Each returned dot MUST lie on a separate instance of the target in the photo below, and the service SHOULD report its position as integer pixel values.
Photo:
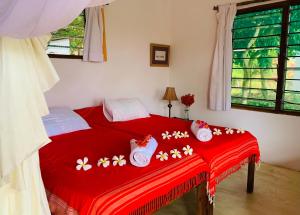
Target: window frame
(281, 70)
(61, 56)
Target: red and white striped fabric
(115, 189)
(232, 153)
(224, 154)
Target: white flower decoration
(166, 135)
(240, 131)
(119, 160)
(177, 134)
(103, 162)
(162, 156)
(83, 164)
(217, 132)
(229, 130)
(185, 134)
(175, 153)
(187, 150)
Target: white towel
(201, 131)
(141, 156)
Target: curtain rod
(246, 3)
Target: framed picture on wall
(159, 55)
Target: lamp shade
(170, 94)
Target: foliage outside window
(68, 41)
(266, 59)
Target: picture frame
(159, 55)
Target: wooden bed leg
(251, 172)
(210, 209)
(203, 205)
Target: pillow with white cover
(118, 110)
(63, 120)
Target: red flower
(144, 142)
(188, 100)
(202, 124)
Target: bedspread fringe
(211, 190)
(173, 194)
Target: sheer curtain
(26, 73)
(220, 80)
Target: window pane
(291, 107)
(295, 15)
(255, 21)
(68, 40)
(292, 97)
(294, 27)
(253, 103)
(256, 46)
(293, 50)
(269, 61)
(254, 93)
(264, 31)
(269, 41)
(254, 73)
(250, 83)
(265, 13)
(244, 53)
(294, 38)
(292, 83)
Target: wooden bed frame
(203, 205)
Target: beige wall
(131, 26)
(193, 34)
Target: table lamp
(170, 95)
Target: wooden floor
(276, 192)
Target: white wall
(193, 38)
(131, 26)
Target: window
(68, 42)
(266, 58)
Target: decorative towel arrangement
(201, 131)
(142, 151)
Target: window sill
(65, 56)
(265, 110)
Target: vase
(186, 113)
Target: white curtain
(220, 80)
(30, 199)
(31, 18)
(93, 38)
(25, 74)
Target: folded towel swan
(201, 130)
(142, 151)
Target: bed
(224, 154)
(114, 189)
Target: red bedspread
(224, 154)
(112, 190)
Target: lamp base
(169, 106)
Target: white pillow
(118, 110)
(63, 120)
